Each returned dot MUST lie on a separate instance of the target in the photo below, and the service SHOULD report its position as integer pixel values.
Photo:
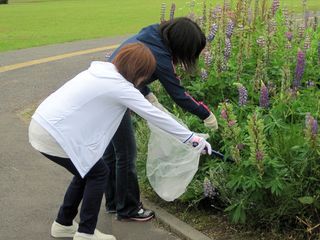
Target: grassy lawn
(28, 23)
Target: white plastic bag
(171, 164)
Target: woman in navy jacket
(179, 41)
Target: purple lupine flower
(314, 127)
(163, 12)
(208, 189)
(227, 48)
(217, 11)
(275, 6)
(213, 32)
(310, 84)
(299, 69)
(319, 51)
(243, 95)
(264, 96)
(172, 9)
(308, 118)
(208, 59)
(261, 42)
(289, 36)
(230, 28)
(204, 74)
(312, 124)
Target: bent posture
(73, 126)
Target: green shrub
(260, 74)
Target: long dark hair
(185, 40)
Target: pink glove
(201, 144)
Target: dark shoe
(142, 216)
(111, 211)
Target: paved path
(31, 187)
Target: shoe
(142, 216)
(96, 236)
(62, 231)
(111, 210)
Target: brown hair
(135, 61)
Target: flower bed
(260, 73)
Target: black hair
(185, 40)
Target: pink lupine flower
(231, 123)
(224, 114)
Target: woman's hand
(211, 122)
(201, 144)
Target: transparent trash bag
(171, 164)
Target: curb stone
(176, 226)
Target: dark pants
(89, 189)
(122, 191)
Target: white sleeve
(134, 100)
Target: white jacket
(83, 115)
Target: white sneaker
(96, 236)
(61, 231)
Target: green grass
(29, 23)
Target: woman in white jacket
(73, 126)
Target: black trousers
(122, 192)
(89, 189)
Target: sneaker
(96, 236)
(142, 216)
(62, 231)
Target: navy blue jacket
(165, 71)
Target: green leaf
(307, 200)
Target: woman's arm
(133, 99)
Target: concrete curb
(173, 224)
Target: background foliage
(30, 23)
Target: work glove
(211, 122)
(154, 101)
(200, 144)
